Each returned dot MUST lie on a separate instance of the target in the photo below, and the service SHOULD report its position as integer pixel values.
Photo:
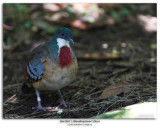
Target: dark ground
(133, 66)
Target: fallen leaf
(51, 7)
(56, 17)
(99, 56)
(148, 22)
(7, 47)
(7, 27)
(12, 99)
(115, 89)
(79, 24)
(63, 5)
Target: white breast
(62, 42)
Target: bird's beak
(70, 40)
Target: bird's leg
(62, 102)
(39, 101)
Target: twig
(7, 27)
(131, 92)
(11, 86)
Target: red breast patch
(65, 56)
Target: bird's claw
(38, 109)
(64, 104)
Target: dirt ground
(134, 66)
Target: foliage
(153, 46)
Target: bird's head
(63, 36)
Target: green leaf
(70, 10)
(27, 24)
(133, 7)
(90, 19)
(34, 28)
(69, 6)
(51, 31)
(122, 113)
(115, 15)
(125, 12)
(14, 15)
(153, 46)
(20, 27)
(21, 7)
(9, 41)
(101, 10)
(43, 26)
(152, 100)
(9, 5)
(93, 8)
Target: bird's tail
(27, 88)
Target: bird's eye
(62, 34)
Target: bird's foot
(63, 103)
(39, 109)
